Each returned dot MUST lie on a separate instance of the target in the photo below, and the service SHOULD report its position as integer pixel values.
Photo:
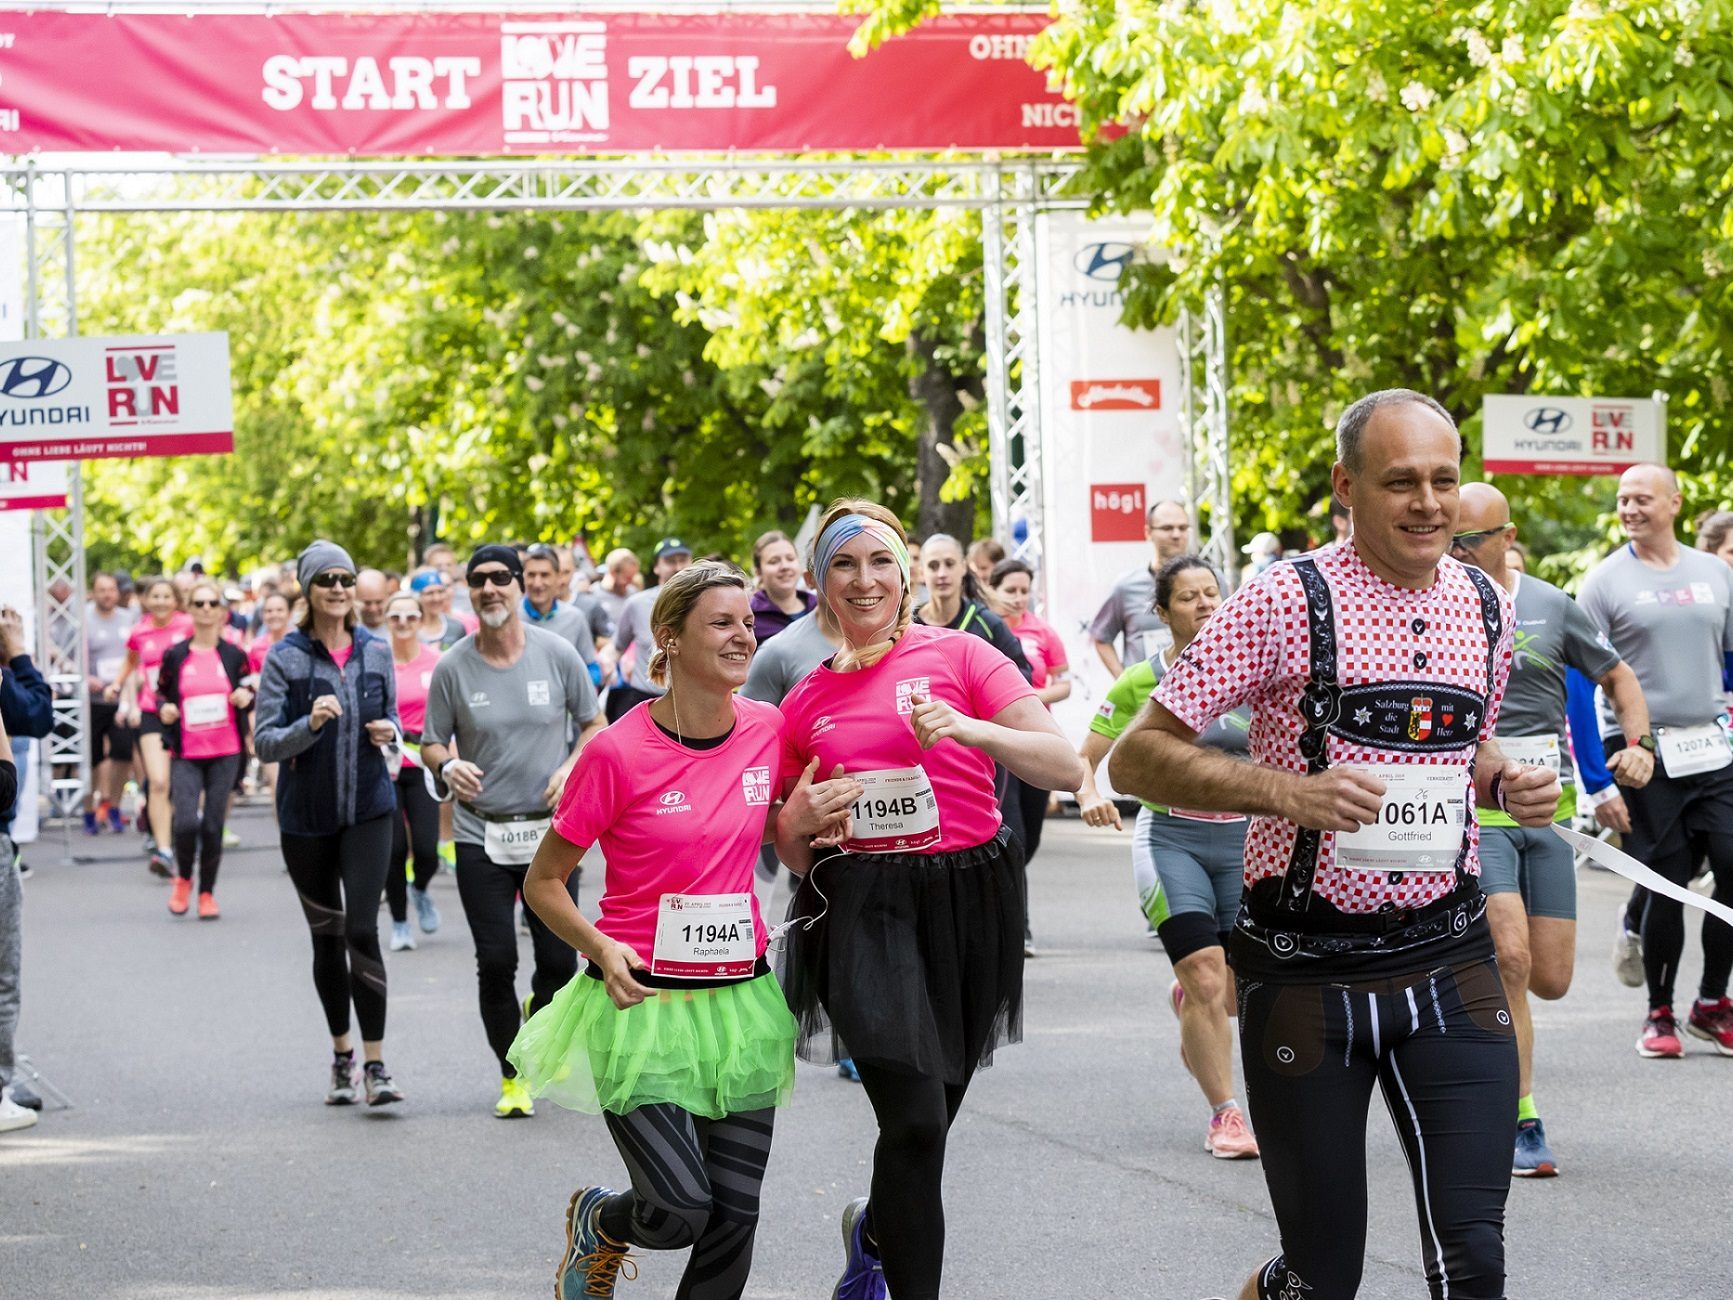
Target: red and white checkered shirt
(1255, 651)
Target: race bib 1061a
(1422, 816)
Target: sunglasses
(499, 578)
(206, 604)
(344, 580)
(1468, 541)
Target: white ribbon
(1605, 855)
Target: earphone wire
(778, 933)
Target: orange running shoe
(179, 896)
(208, 907)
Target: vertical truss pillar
(1204, 415)
(1013, 395)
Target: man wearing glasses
(1528, 873)
(543, 608)
(509, 695)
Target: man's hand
(464, 778)
(324, 709)
(1531, 794)
(1632, 766)
(1339, 799)
(1614, 816)
(557, 785)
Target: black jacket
(168, 683)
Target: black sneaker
(381, 1091)
(343, 1082)
(24, 1095)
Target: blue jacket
(334, 777)
(26, 703)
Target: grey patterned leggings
(695, 1183)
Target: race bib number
(513, 843)
(896, 813)
(201, 711)
(151, 675)
(1421, 820)
(704, 936)
(1686, 751)
(1532, 751)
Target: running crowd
(1349, 770)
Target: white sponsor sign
(32, 484)
(1110, 435)
(1572, 435)
(142, 395)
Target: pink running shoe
(1660, 1036)
(1229, 1137)
(1714, 1021)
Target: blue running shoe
(90, 826)
(863, 1277)
(845, 1070)
(426, 914)
(593, 1262)
(1534, 1158)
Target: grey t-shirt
(105, 639)
(1552, 634)
(509, 722)
(1129, 611)
(569, 625)
(634, 629)
(785, 659)
(590, 606)
(1673, 626)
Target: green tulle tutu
(712, 1052)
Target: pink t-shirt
(413, 679)
(471, 623)
(1041, 647)
(150, 643)
(257, 651)
(861, 720)
(208, 725)
(340, 657)
(672, 820)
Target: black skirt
(914, 961)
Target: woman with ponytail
(906, 951)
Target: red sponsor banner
(467, 84)
(1116, 394)
(1575, 467)
(1116, 512)
(41, 486)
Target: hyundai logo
(33, 377)
(1547, 419)
(672, 797)
(1104, 261)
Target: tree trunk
(935, 388)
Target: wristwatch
(1644, 741)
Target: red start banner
(436, 84)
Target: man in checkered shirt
(1374, 669)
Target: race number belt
(202, 711)
(704, 937)
(1421, 817)
(1533, 751)
(511, 839)
(897, 812)
(1687, 751)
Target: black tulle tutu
(916, 962)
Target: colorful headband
(845, 530)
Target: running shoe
(1660, 1036)
(113, 817)
(1229, 1136)
(381, 1091)
(208, 910)
(400, 936)
(863, 1277)
(1534, 1158)
(90, 824)
(593, 1261)
(514, 1100)
(162, 862)
(344, 1082)
(180, 895)
(230, 839)
(448, 853)
(1713, 1021)
(24, 1095)
(1628, 956)
(426, 914)
(845, 1069)
(13, 1116)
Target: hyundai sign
(87, 398)
(1572, 435)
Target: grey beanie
(318, 557)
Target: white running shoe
(1628, 956)
(401, 936)
(14, 1116)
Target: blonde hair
(866, 656)
(207, 584)
(677, 598)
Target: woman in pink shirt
(203, 699)
(415, 832)
(676, 1032)
(163, 624)
(912, 946)
(274, 615)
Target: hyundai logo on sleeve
(1104, 261)
(33, 377)
(1549, 420)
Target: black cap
(494, 553)
(672, 546)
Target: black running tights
(414, 834)
(695, 1183)
(906, 1213)
(199, 832)
(339, 878)
(1441, 1048)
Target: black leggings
(695, 1183)
(906, 1213)
(489, 894)
(200, 833)
(419, 812)
(1441, 1047)
(339, 877)
(1024, 809)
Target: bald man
(372, 590)
(1528, 874)
(1668, 611)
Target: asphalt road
(199, 1162)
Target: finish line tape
(1605, 855)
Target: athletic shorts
(151, 725)
(108, 738)
(1672, 816)
(1190, 874)
(1533, 862)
